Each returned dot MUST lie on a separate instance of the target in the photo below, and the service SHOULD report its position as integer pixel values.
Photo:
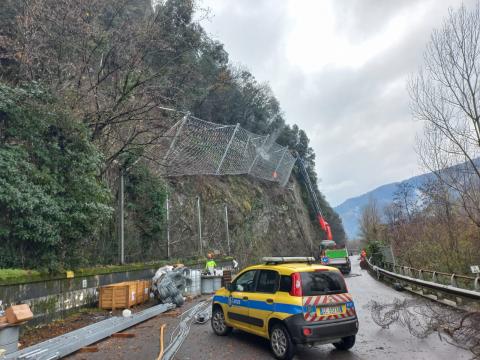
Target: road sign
(325, 260)
(475, 269)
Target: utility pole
(122, 217)
(121, 206)
(168, 227)
(199, 227)
(226, 229)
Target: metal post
(256, 156)
(122, 217)
(226, 229)
(199, 226)
(246, 146)
(228, 147)
(288, 172)
(278, 165)
(179, 130)
(168, 227)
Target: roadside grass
(9, 274)
(21, 276)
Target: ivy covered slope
(51, 199)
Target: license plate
(330, 310)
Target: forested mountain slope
(82, 87)
(350, 210)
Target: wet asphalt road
(373, 342)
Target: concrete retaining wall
(53, 299)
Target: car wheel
(346, 343)
(281, 343)
(219, 325)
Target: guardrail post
(420, 274)
(435, 280)
(476, 285)
(454, 283)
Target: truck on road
(330, 255)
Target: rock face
(264, 219)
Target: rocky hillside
(263, 218)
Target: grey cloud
(363, 18)
(358, 120)
(255, 27)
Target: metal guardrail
(456, 280)
(452, 288)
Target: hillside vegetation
(437, 225)
(81, 86)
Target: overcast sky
(339, 69)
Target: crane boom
(313, 197)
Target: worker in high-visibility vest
(210, 265)
(363, 254)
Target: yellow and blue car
(290, 301)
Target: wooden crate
(118, 296)
(227, 277)
(124, 295)
(143, 291)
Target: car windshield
(322, 283)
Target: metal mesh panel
(195, 146)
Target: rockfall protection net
(197, 147)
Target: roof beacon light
(292, 259)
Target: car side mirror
(231, 287)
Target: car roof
(289, 268)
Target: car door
(239, 298)
(262, 301)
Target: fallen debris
(10, 326)
(422, 318)
(68, 343)
(180, 333)
(173, 313)
(123, 335)
(160, 354)
(17, 314)
(168, 284)
(88, 349)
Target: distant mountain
(350, 210)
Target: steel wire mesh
(198, 147)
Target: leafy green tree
(51, 200)
(146, 196)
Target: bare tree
(445, 95)
(113, 63)
(371, 227)
(423, 318)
